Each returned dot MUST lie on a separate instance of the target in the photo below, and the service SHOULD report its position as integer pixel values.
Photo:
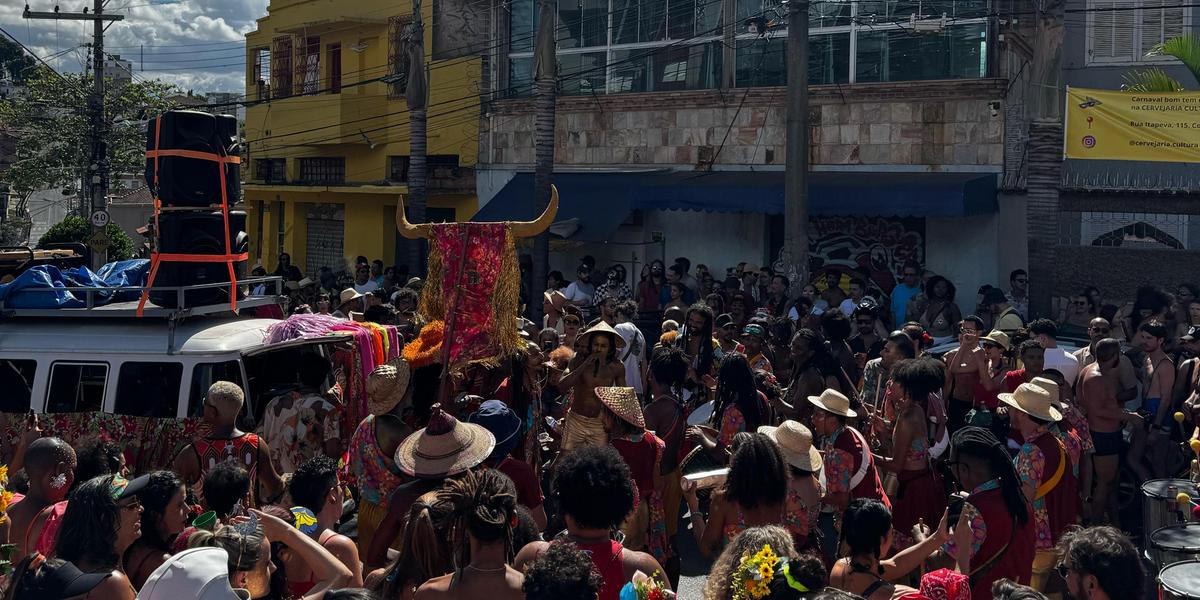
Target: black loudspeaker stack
(191, 209)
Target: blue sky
(194, 44)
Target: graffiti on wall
(874, 248)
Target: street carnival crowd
(816, 446)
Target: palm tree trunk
(417, 96)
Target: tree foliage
(19, 65)
(51, 124)
(1185, 49)
(75, 228)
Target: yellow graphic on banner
(1116, 125)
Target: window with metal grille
(281, 66)
(270, 170)
(260, 72)
(398, 169)
(323, 170)
(1124, 31)
(1130, 230)
(308, 65)
(398, 55)
(334, 57)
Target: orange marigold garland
(427, 348)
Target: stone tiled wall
(921, 123)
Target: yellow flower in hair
(3, 473)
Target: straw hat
(1050, 386)
(292, 285)
(1034, 401)
(795, 441)
(601, 327)
(555, 300)
(386, 386)
(999, 338)
(833, 401)
(306, 282)
(349, 294)
(445, 447)
(623, 401)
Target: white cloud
(194, 44)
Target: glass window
(148, 389)
(16, 379)
(206, 374)
(833, 13)
(652, 20)
(896, 55)
(581, 73)
(76, 387)
(624, 21)
(520, 77)
(763, 61)
(582, 23)
(520, 23)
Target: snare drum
(1174, 543)
(1179, 581)
(1157, 501)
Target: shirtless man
(1099, 384)
(596, 367)
(965, 367)
(699, 348)
(1160, 377)
(50, 464)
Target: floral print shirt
(732, 423)
(1075, 419)
(375, 474)
(839, 466)
(1031, 463)
(296, 426)
(978, 525)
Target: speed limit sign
(100, 218)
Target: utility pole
(793, 259)
(97, 172)
(417, 95)
(546, 77)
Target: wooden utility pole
(793, 259)
(417, 95)
(97, 172)
(546, 77)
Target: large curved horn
(406, 229)
(542, 223)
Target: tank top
(1013, 547)
(640, 456)
(606, 557)
(243, 450)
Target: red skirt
(920, 495)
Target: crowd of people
(833, 444)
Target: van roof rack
(92, 309)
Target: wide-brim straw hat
(386, 386)
(999, 338)
(347, 295)
(445, 447)
(1034, 401)
(1050, 386)
(834, 402)
(556, 299)
(624, 403)
(601, 327)
(795, 442)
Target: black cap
(64, 581)
(994, 296)
(1193, 334)
(722, 320)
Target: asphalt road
(694, 567)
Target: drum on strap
(1158, 504)
(1179, 581)
(1174, 543)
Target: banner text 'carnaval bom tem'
(1119, 125)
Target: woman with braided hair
(483, 514)
(1001, 520)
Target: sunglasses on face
(866, 322)
(1079, 302)
(1098, 329)
(910, 274)
(132, 506)
(989, 346)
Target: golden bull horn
(519, 228)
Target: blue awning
(602, 201)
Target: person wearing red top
(643, 452)
(1033, 358)
(505, 425)
(595, 493)
(1001, 521)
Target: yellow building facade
(327, 133)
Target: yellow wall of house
(370, 224)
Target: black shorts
(1107, 444)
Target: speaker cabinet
(198, 232)
(193, 182)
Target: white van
(160, 365)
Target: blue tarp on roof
(601, 201)
(25, 290)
